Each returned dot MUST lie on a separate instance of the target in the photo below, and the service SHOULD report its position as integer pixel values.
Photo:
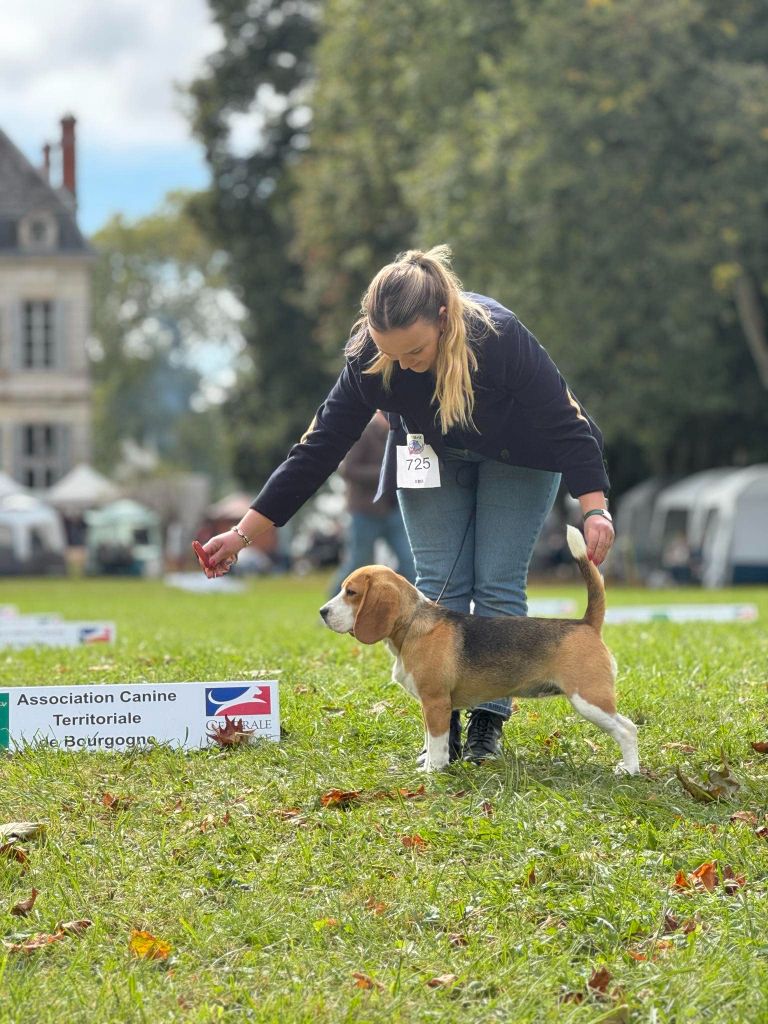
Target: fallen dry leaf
(731, 881)
(13, 852)
(23, 907)
(762, 832)
(74, 927)
(22, 830)
(600, 980)
(685, 748)
(443, 981)
(761, 746)
(748, 817)
(414, 842)
(457, 939)
(706, 874)
(42, 940)
(722, 784)
(231, 734)
(706, 877)
(487, 808)
(375, 906)
(290, 814)
(116, 803)
(35, 943)
(339, 797)
(655, 948)
(697, 792)
(145, 946)
(365, 981)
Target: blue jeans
(510, 505)
(364, 531)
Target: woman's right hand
(221, 552)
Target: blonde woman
(482, 427)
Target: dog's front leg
(437, 719)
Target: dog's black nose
(324, 611)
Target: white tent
(9, 486)
(673, 507)
(632, 552)
(31, 535)
(729, 525)
(81, 489)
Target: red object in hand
(199, 550)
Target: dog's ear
(378, 610)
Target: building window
(37, 343)
(38, 231)
(42, 455)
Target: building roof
(23, 189)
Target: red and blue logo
(95, 635)
(237, 700)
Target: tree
(161, 309)
(262, 69)
(597, 166)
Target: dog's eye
(350, 592)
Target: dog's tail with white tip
(595, 612)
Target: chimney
(47, 161)
(68, 154)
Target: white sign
(683, 613)
(129, 716)
(20, 632)
(551, 606)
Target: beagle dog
(450, 660)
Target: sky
(116, 65)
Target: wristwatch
(602, 512)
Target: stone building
(45, 264)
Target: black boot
(483, 736)
(454, 741)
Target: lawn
(493, 894)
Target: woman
(482, 426)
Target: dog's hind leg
(437, 718)
(620, 728)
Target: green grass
(537, 869)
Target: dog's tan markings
(377, 611)
(585, 667)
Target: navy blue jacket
(524, 412)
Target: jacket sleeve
(337, 424)
(555, 414)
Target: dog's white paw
(623, 769)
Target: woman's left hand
(599, 535)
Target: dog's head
(368, 605)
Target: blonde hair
(416, 286)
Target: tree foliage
(160, 306)
(262, 70)
(597, 166)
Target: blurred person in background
(482, 426)
(371, 520)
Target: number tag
(417, 464)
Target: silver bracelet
(243, 536)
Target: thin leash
(458, 556)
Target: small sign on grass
(127, 716)
(41, 631)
